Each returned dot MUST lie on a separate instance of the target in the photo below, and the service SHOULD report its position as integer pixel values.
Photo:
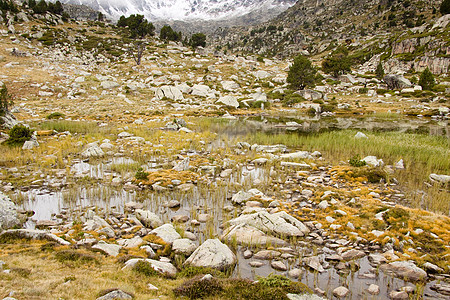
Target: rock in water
(148, 218)
(212, 254)
(406, 270)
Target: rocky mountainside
(185, 9)
(406, 34)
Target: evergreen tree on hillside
(301, 74)
(426, 80)
(338, 63)
(198, 40)
(445, 7)
(168, 34)
(379, 71)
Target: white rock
(148, 218)
(360, 135)
(228, 101)
(373, 161)
(341, 292)
(164, 268)
(213, 254)
(110, 249)
(170, 92)
(183, 246)
(167, 233)
(373, 289)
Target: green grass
(72, 127)
(422, 155)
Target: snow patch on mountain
(182, 9)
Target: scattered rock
(213, 254)
(341, 292)
(164, 268)
(167, 233)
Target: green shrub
(396, 217)
(74, 256)
(145, 268)
(55, 115)
(363, 90)
(5, 100)
(379, 71)
(356, 161)
(196, 288)
(338, 63)
(141, 174)
(445, 7)
(191, 271)
(18, 135)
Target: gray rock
(256, 264)
(406, 270)
(443, 288)
(353, 254)
(169, 92)
(297, 155)
(9, 216)
(440, 178)
(432, 268)
(167, 233)
(164, 268)
(360, 135)
(180, 218)
(92, 150)
(228, 101)
(34, 235)
(280, 223)
(230, 86)
(341, 292)
(314, 263)
(396, 82)
(148, 218)
(173, 203)
(295, 273)
(201, 90)
(110, 249)
(247, 254)
(267, 254)
(28, 145)
(304, 297)
(183, 246)
(241, 197)
(373, 161)
(109, 84)
(115, 295)
(214, 254)
(278, 265)
(394, 295)
(373, 289)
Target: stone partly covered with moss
(9, 217)
(212, 254)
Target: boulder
(167, 233)
(373, 289)
(230, 85)
(92, 150)
(297, 155)
(241, 197)
(353, 254)
(33, 234)
(9, 217)
(373, 161)
(228, 101)
(148, 218)
(164, 268)
(115, 295)
(440, 178)
(396, 82)
(212, 254)
(406, 270)
(169, 92)
(314, 263)
(245, 234)
(280, 224)
(109, 84)
(110, 249)
(201, 90)
(341, 292)
(183, 246)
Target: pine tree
(426, 80)
(379, 71)
(445, 7)
(301, 74)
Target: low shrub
(196, 288)
(18, 135)
(356, 161)
(55, 115)
(74, 256)
(145, 268)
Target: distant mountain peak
(184, 10)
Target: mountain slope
(183, 9)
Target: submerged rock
(213, 254)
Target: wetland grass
(422, 155)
